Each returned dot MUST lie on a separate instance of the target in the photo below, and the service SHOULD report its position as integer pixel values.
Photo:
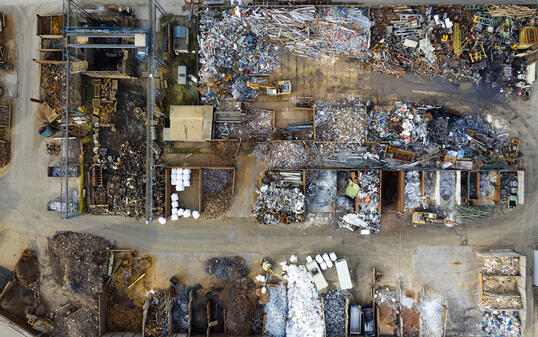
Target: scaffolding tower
(144, 45)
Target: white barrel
(186, 171)
(180, 212)
(186, 177)
(174, 217)
(175, 197)
(162, 220)
(180, 188)
(187, 213)
(186, 183)
(174, 211)
(175, 204)
(195, 214)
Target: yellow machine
(40, 324)
(528, 37)
(281, 88)
(422, 218)
(513, 151)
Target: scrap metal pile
(256, 123)
(228, 47)
(217, 196)
(478, 44)
(283, 155)
(156, 312)
(412, 191)
(305, 313)
(334, 307)
(83, 261)
(279, 202)
(367, 218)
(473, 43)
(501, 323)
(341, 121)
(315, 32)
(276, 311)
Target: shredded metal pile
(342, 121)
(320, 190)
(276, 311)
(431, 317)
(282, 155)
(227, 267)
(82, 260)
(279, 203)
(405, 122)
(305, 315)
(412, 191)
(215, 180)
(334, 307)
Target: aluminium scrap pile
(278, 202)
(315, 32)
(412, 191)
(228, 46)
(276, 311)
(342, 121)
(282, 154)
(305, 313)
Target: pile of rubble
(305, 313)
(82, 259)
(277, 202)
(341, 121)
(334, 307)
(276, 311)
(217, 197)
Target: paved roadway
(25, 191)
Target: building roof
(189, 123)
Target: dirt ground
(25, 191)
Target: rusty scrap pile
(156, 310)
(217, 197)
(51, 83)
(82, 259)
(216, 205)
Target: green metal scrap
(471, 213)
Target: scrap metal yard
(258, 168)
